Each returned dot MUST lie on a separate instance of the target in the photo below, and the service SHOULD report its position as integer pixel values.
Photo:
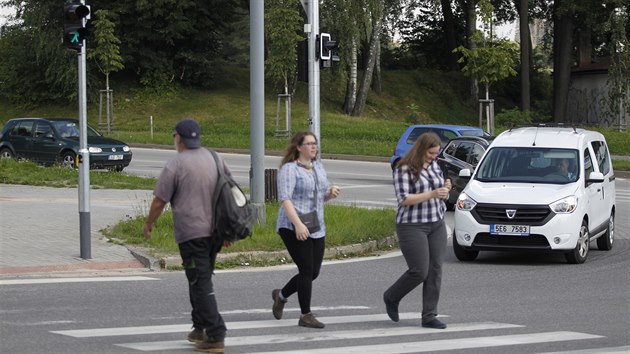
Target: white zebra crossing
(321, 336)
(407, 338)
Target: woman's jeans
(198, 260)
(423, 246)
(308, 256)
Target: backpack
(233, 214)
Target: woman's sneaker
(310, 321)
(278, 304)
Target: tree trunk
(562, 46)
(449, 32)
(351, 88)
(522, 6)
(369, 69)
(376, 80)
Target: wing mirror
(595, 177)
(464, 173)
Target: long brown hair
(414, 158)
(292, 152)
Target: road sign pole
(84, 165)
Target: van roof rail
(543, 125)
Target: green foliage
(414, 114)
(512, 117)
(619, 72)
(282, 24)
(106, 52)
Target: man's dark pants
(198, 257)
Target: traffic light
(74, 31)
(326, 46)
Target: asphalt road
(503, 302)
(500, 304)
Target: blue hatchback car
(446, 132)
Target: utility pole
(257, 105)
(312, 29)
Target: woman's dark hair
(292, 152)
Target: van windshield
(529, 165)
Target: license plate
(115, 157)
(515, 230)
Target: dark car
(460, 153)
(446, 132)
(56, 140)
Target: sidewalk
(39, 229)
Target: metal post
(84, 166)
(313, 70)
(257, 106)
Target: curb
(166, 262)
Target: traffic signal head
(326, 46)
(74, 31)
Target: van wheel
(605, 241)
(580, 252)
(463, 254)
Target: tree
(525, 43)
(282, 23)
(491, 60)
(106, 53)
(619, 72)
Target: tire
(605, 241)
(68, 159)
(6, 153)
(580, 252)
(463, 254)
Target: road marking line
(611, 350)
(449, 344)
(128, 331)
(321, 336)
(72, 280)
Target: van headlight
(565, 205)
(464, 202)
(94, 149)
(126, 148)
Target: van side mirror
(595, 177)
(464, 173)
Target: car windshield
(68, 129)
(529, 165)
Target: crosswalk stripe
(127, 331)
(611, 350)
(321, 336)
(72, 280)
(448, 344)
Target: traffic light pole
(312, 28)
(84, 165)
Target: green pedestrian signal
(74, 31)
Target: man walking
(188, 182)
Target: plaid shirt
(297, 185)
(428, 211)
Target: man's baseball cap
(190, 132)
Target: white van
(538, 188)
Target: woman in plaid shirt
(420, 190)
